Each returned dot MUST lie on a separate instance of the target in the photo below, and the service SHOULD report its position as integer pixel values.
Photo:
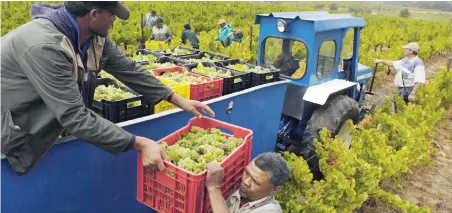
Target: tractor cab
(318, 53)
(314, 48)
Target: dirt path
(429, 186)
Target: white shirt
(417, 77)
(264, 205)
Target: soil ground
(429, 186)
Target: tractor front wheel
(332, 116)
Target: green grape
(183, 77)
(195, 149)
(211, 72)
(204, 59)
(111, 93)
(245, 68)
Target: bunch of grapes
(104, 74)
(178, 51)
(204, 59)
(199, 147)
(111, 93)
(159, 65)
(246, 68)
(143, 58)
(211, 72)
(183, 77)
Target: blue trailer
(75, 176)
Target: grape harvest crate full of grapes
(294, 85)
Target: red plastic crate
(185, 192)
(200, 92)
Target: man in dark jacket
(48, 77)
(191, 36)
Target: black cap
(115, 7)
(153, 12)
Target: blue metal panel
(301, 31)
(78, 177)
(323, 21)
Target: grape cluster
(104, 74)
(183, 77)
(211, 72)
(178, 51)
(159, 65)
(246, 68)
(204, 59)
(111, 93)
(199, 147)
(143, 58)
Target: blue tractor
(318, 53)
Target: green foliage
(384, 146)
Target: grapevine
(200, 146)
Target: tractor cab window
(327, 59)
(287, 55)
(347, 51)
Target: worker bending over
(410, 72)
(262, 178)
(49, 78)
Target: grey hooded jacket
(42, 78)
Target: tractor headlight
(281, 25)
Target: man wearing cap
(410, 71)
(225, 29)
(49, 68)
(151, 18)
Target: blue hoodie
(224, 31)
(65, 23)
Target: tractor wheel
(332, 116)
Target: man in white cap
(410, 71)
(225, 29)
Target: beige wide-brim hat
(222, 21)
(412, 46)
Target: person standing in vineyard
(262, 178)
(410, 72)
(191, 36)
(49, 78)
(225, 29)
(150, 18)
(160, 32)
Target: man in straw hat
(410, 71)
(225, 29)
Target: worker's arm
(169, 35)
(184, 38)
(49, 68)
(215, 174)
(386, 62)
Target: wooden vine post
(251, 38)
(449, 63)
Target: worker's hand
(195, 107)
(215, 175)
(151, 153)
(411, 97)
(377, 61)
